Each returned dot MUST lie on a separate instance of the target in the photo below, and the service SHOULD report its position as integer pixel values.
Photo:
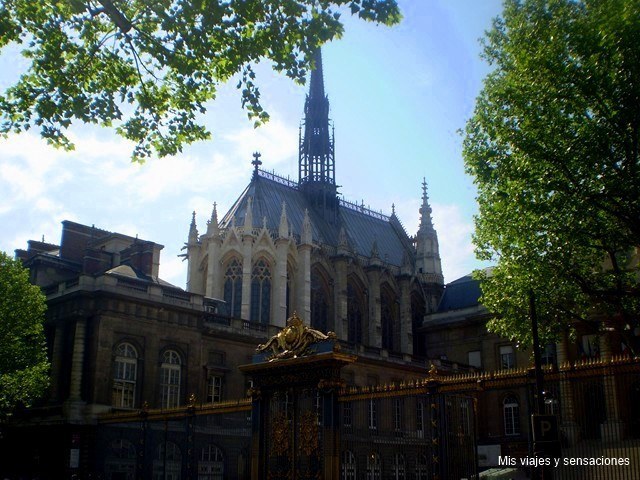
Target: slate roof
(461, 293)
(361, 225)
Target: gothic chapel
(285, 246)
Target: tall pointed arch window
(320, 300)
(397, 467)
(170, 377)
(348, 468)
(355, 311)
(233, 287)
(261, 292)
(125, 371)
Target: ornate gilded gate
(295, 412)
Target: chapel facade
(288, 246)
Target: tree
(148, 68)
(553, 148)
(24, 369)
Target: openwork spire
(316, 165)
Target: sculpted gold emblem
(294, 340)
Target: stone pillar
(73, 408)
(77, 361)
(280, 283)
(406, 324)
(304, 282)
(247, 251)
(374, 329)
(214, 269)
(340, 299)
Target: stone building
(120, 338)
(289, 246)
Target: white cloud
(276, 142)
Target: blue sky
(398, 98)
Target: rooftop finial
(193, 230)
(256, 163)
(212, 226)
(425, 209)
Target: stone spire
(427, 249)
(425, 210)
(283, 229)
(316, 162)
(212, 224)
(193, 229)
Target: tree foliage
(24, 368)
(149, 67)
(553, 148)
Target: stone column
(73, 408)
(340, 299)
(247, 251)
(304, 282)
(214, 272)
(77, 361)
(280, 283)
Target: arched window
(125, 370)
(233, 287)
(356, 309)
(168, 462)
(320, 301)
(421, 468)
(373, 466)
(397, 467)
(261, 292)
(511, 409)
(170, 371)
(348, 468)
(211, 464)
(389, 319)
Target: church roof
(362, 226)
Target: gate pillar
(295, 413)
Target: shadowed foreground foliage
(24, 369)
(148, 68)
